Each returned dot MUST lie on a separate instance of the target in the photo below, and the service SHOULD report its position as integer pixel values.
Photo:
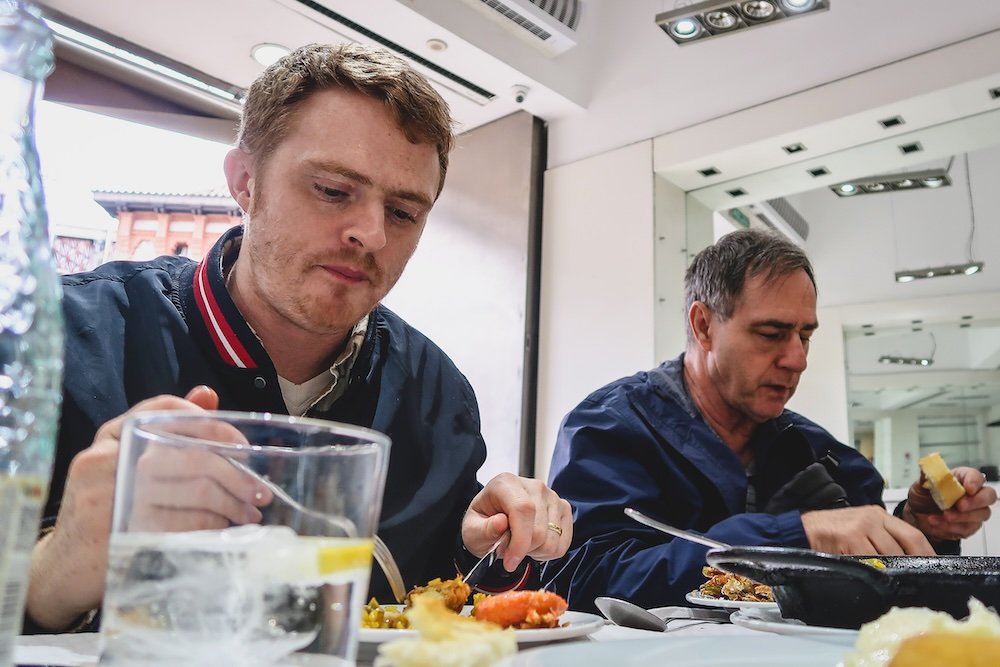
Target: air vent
(915, 147)
(891, 122)
(790, 216)
(548, 24)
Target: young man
(342, 152)
(704, 442)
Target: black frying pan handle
(770, 564)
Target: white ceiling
(625, 80)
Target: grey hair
(718, 273)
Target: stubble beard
(293, 303)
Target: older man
(704, 442)
(342, 152)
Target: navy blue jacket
(136, 330)
(640, 442)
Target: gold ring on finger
(555, 528)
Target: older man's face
(336, 212)
(758, 354)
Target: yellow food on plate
(874, 562)
(728, 586)
(388, 617)
(454, 592)
(944, 488)
(516, 609)
(879, 640)
(948, 649)
(446, 639)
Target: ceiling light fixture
(907, 361)
(911, 361)
(938, 271)
(911, 180)
(968, 268)
(267, 53)
(710, 18)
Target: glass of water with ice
(240, 539)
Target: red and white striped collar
(220, 314)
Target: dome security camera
(520, 93)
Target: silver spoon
(676, 532)
(628, 615)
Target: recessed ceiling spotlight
(758, 10)
(910, 180)
(793, 6)
(720, 20)
(686, 28)
(267, 54)
(435, 44)
(697, 20)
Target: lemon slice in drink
(341, 556)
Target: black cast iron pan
(843, 592)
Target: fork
(381, 551)
(392, 574)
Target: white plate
(574, 624)
(763, 650)
(697, 597)
(771, 621)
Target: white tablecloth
(80, 650)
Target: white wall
(597, 298)
(465, 286)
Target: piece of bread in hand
(947, 649)
(944, 488)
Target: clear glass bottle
(31, 327)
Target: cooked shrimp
(522, 609)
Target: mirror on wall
(923, 387)
(895, 413)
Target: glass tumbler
(240, 539)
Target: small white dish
(771, 621)
(697, 597)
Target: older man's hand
(540, 522)
(959, 521)
(863, 531)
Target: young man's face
(758, 354)
(335, 212)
